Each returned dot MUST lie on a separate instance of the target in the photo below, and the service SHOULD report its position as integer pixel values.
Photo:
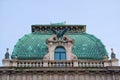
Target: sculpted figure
(59, 34)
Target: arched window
(60, 53)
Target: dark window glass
(60, 53)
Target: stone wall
(60, 74)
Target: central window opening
(60, 54)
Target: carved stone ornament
(54, 42)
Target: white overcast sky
(102, 18)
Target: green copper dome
(33, 46)
(87, 46)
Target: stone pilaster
(92, 77)
(35, 77)
(28, 76)
(114, 62)
(40, 77)
(97, 77)
(6, 62)
(76, 76)
(12, 77)
(14, 64)
(75, 63)
(65, 76)
(106, 63)
(19, 77)
(24, 76)
(81, 77)
(109, 77)
(86, 76)
(45, 64)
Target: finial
(112, 50)
(7, 49)
(59, 23)
(7, 54)
(64, 22)
(113, 56)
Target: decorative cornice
(13, 70)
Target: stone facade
(63, 73)
(53, 42)
(59, 70)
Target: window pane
(57, 56)
(63, 56)
(60, 54)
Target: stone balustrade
(57, 63)
(29, 64)
(44, 63)
(60, 64)
(91, 64)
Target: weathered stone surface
(106, 73)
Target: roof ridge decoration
(46, 29)
(59, 34)
(59, 23)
